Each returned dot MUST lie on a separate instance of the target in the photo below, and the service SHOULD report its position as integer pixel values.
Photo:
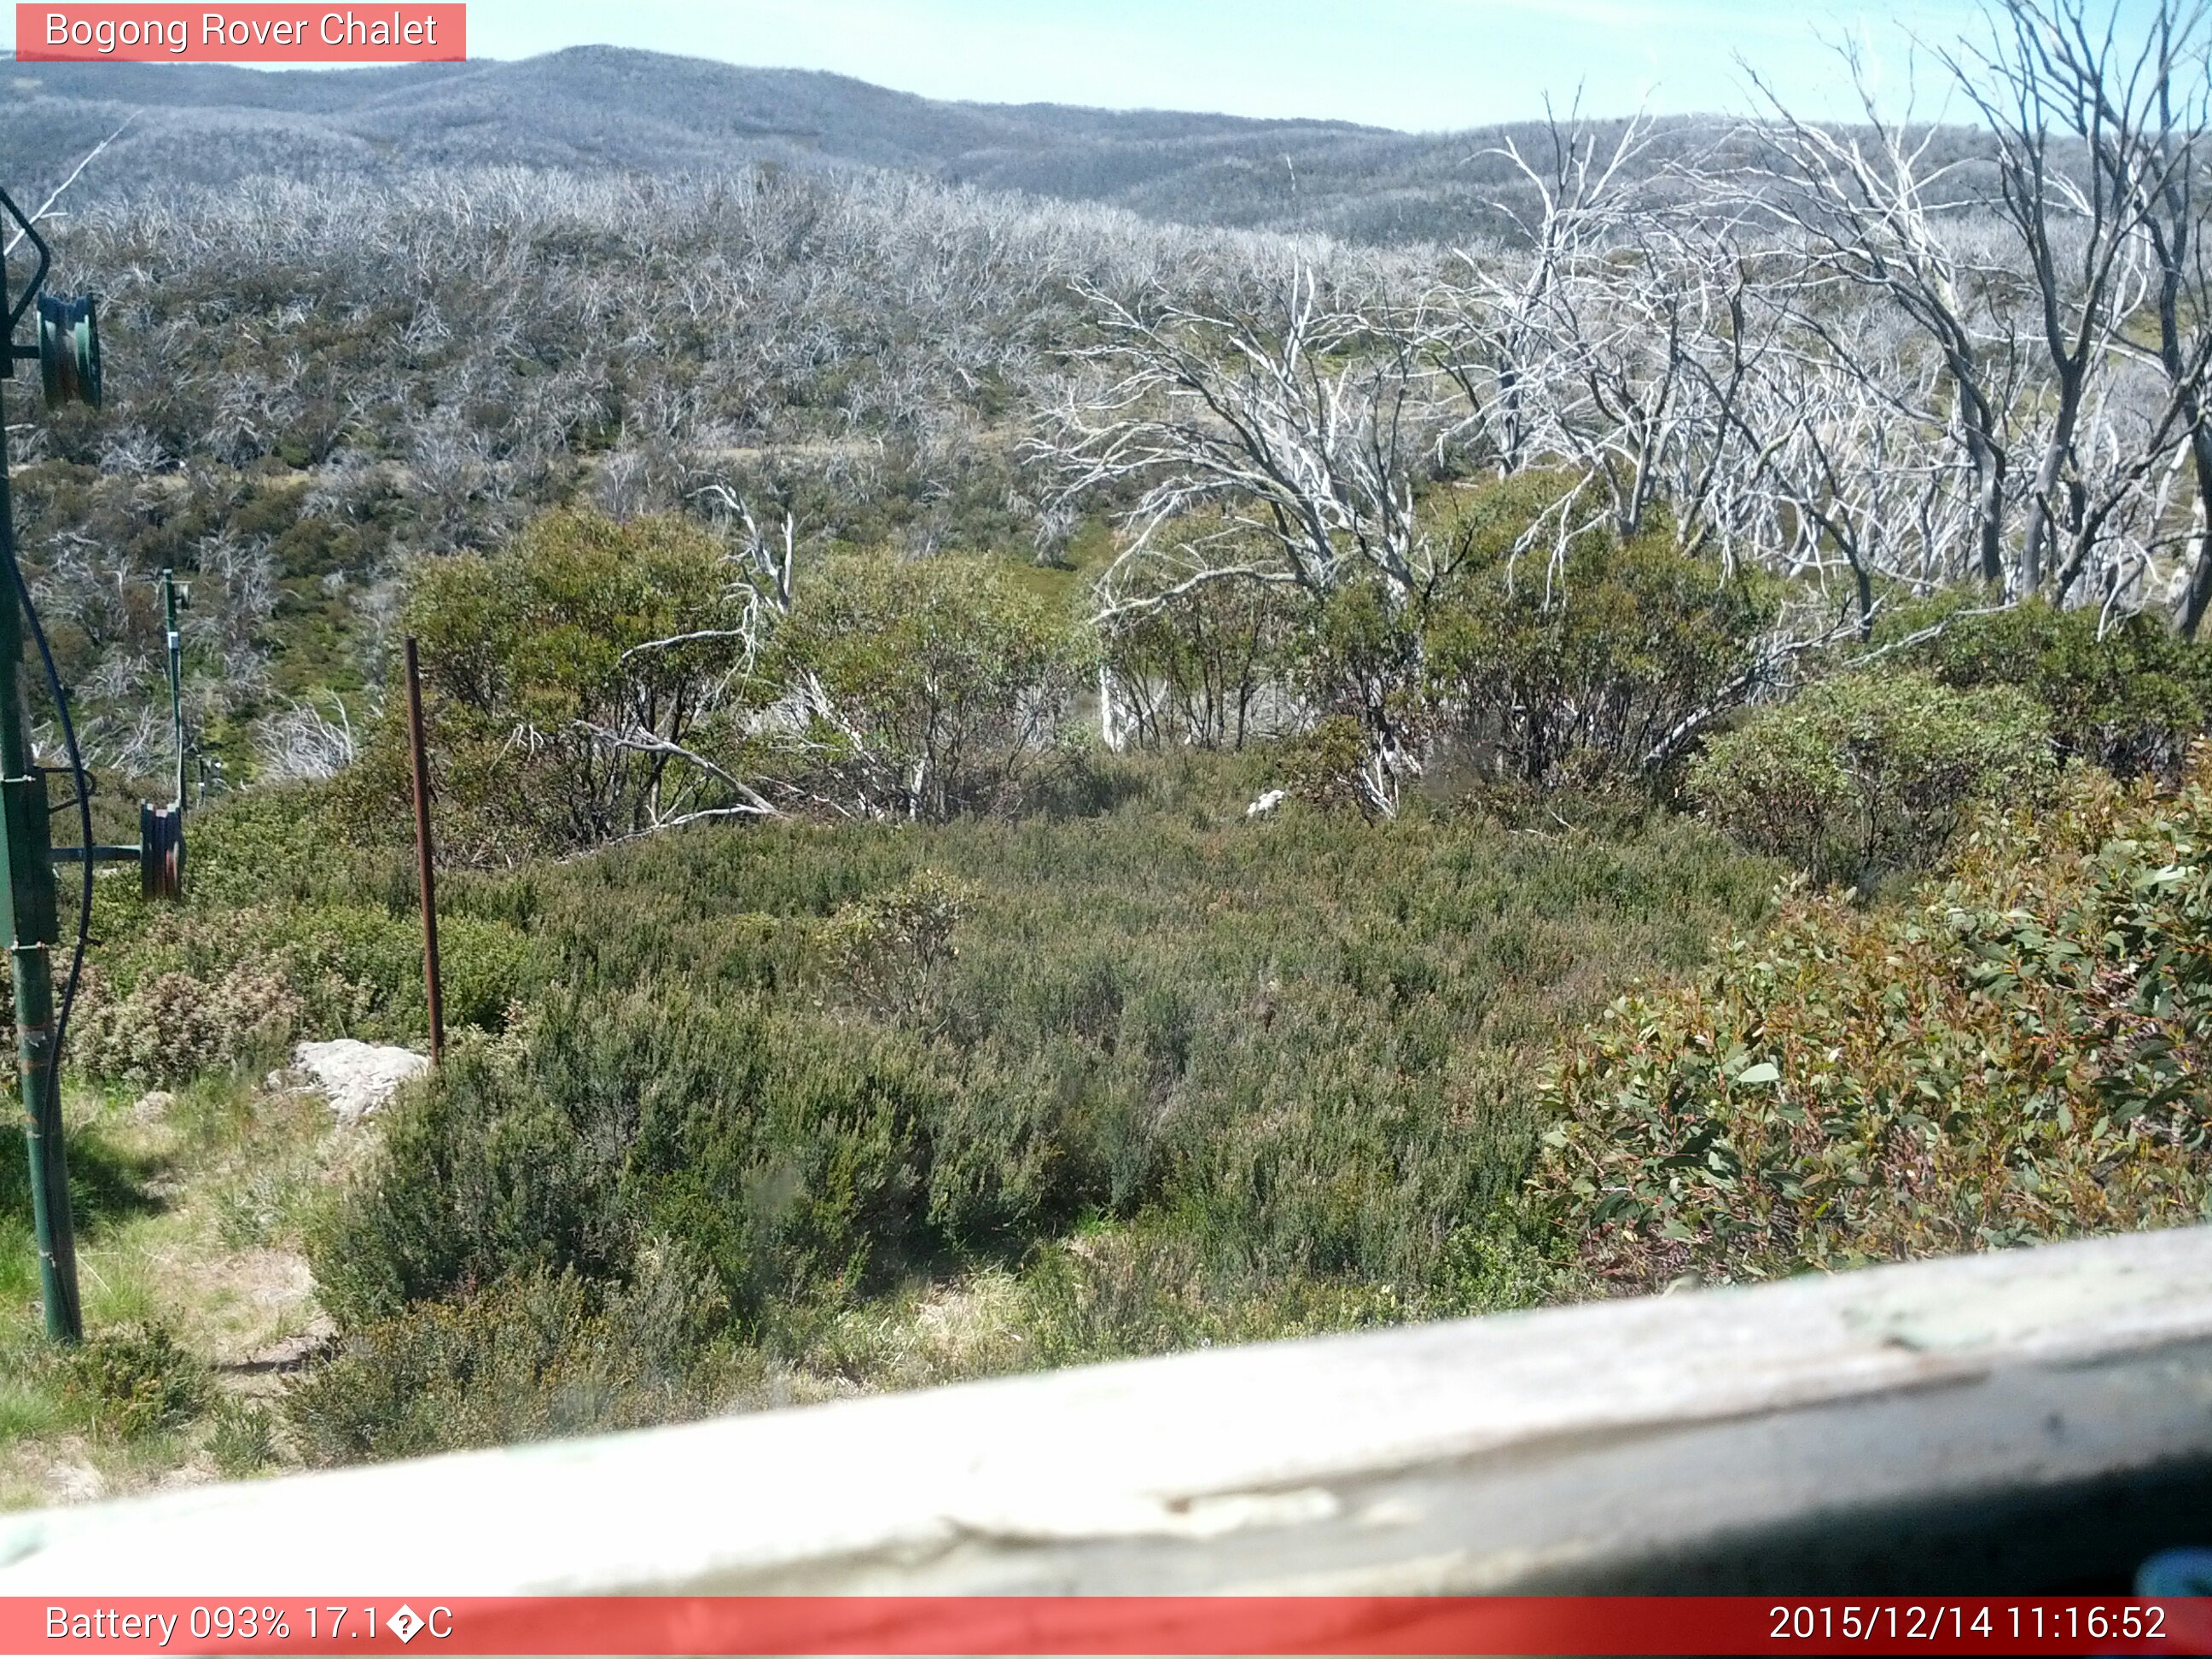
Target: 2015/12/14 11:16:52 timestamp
(1964, 1621)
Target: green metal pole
(27, 894)
(176, 682)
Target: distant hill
(593, 108)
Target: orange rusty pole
(425, 864)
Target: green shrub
(476, 1178)
(1285, 1062)
(1202, 668)
(360, 968)
(531, 657)
(1600, 666)
(1357, 659)
(2124, 694)
(135, 1382)
(171, 1027)
(204, 989)
(788, 1150)
(1870, 773)
(535, 1355)
(242, 1439)
(925, 686)
(894, 948)
(2020, 1053)
(1323, 765)
(261, 846)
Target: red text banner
(1130, 1625)
(259, 33)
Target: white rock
(1267, 803)
(358, 1077)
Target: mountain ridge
(600, 108)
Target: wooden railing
(2033, 1419)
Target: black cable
(83, 808)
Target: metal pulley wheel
(161, 852)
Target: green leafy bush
(1356, 663)
(566, 679)
(2020, 1053)
(1270, 1075)
(359, 967)
(171, 1027)
(1202, 667)
(893, 948)
(790, 1152)
(2124, 693)
(204, 989)
(1324, 764)
(1603, 665)
(242, 1438)
(923, 686)
(261, 846)
(1871, 773)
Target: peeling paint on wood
(2011, 1420)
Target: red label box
(259, 33)
(1130, 1626)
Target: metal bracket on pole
(161, 829)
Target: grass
(153, 1189)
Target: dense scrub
(1600, 669)
(929, 1076)
(594, 681)
(1157, 1071)
(2014, 1053)
(832, 1008)
(736, 1115)
(2122, 693)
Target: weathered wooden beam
(2015, 1421)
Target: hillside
(602, 108)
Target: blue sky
(1421, 64)
(1415, 64)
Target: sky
(1416, 64)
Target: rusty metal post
(426, 864)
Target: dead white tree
(1508, 301)
(2133, 90)
(702, 787)
(1835, 431)
(303, 743)
(1305, 422)
(1303, 426)
(1879, 207)
(2054, 95)
(1648, 345)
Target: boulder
(358, 1077)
